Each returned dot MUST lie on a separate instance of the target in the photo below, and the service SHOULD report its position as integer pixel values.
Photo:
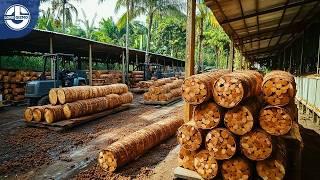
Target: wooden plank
(162, 103)
(66, 124)
(190, 50)
(182, 173)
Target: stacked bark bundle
(136, 76)
(13, 83)
(232, 129)
(164, 90)
(145, 84)
(74, 102)
(106, 77)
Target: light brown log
(206, 165)
(71, 94)
(230, 89)
(126, 98)
(279, 88)
(221, 143)
(208, 115)
(186, 158)
(190, 137)
(197, 89)
(136, 144)
(53, 96)
(242, 118)
(236, 168)
(54, 114)
(277, 120)
(256, 145)
(38, 113)
(161, 82)
(28, 113)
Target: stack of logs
(136, 76)
(79, 101)
(239, 121)
(164, 90)
(13, 83)
(106, 77)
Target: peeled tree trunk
(208, 115)
(206, 165)
(236, 168)
(198, 88)
(72, 94)
(221, 143)
(136, 144)
(230, 89)
(279, 88)
(256, 145)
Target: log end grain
(271, 169)
(189, 137)
(206, 165)
(37, 115)
(221, 143)
(186, 158)
(49, 116)
(28, 114)
(207, 115)
(236, 168)
(61, 96)
(67, 111)
(53, 97)
(107, 161)
(239, 120)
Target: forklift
(37, 91)
(153, 70)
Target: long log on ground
(134, 145)
(54, 114)
(242, 118)
(208, 115)
(190, 137)
(186, 158)
(230, 89)
(278, 88)
(256, 145)
(198, 88)
(206, 165)
(277, 120)
(71, 94)
(274, 167)
(221, 143)
(236, 168)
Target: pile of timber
(13, 83)
(164, 90)
(239, 120)
(145, 84)
(79, 101)
(106, 77)
(136, 76)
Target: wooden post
(290, 59)
(318, 64)
(231, 57)
(52, 69)
(190, 50)
(123, 68)
(90, 64)
(301, 56)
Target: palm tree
(65, 9)
(88, 26)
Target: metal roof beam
(267, 11)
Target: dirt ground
(33, 153)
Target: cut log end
(228, 91)
(67, 111)
(189, 137)
(194, 91)
(53, 97)
(28, 115)
(37, 115)
(221, 143)
(256, 145)
(270, 169)
(275, 120)
(206, 165)
(186, 158)
(236, 168)
(239, 120)
(48, 116)
(107, 161)
(207, 116)
(61, 96)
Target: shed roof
(38, 41)
(262, 27)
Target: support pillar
(90, 64)
(318, 64)
(52, 63)
(301, 55)
(190, 50)
(123, 68)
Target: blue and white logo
(17, 17)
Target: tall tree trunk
(149, 37)
(64, 16)
(127, 42)
(200, 46)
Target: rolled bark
(256, 145)
(242, 118)
(208, 115)
(277, 120)
(236, 168)
(206, 165)
(198, 88)
(190, 137)
(274, 167)
(186, 158)
(221, 143)
(53, 96)
(278, 88)
(71, 94)
(230, 89)
(53, 114)
(136, 144)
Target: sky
(90, 7)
